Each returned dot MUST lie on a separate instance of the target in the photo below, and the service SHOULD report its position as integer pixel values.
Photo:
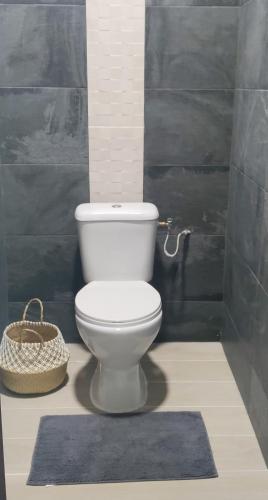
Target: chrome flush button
(117, 206)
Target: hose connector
(166, 223)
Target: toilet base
(118, 391)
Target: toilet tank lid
(116, 211)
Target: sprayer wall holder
(168, 224)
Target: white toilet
(118, 314)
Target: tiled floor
(183, 376)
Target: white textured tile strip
(115, 54)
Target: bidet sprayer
(168, 224)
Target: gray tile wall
(44, 151)
(245, 336)
(190, 65)
(200, 3)
(46, 2)
(3, 264)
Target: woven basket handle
(36, 333)
(41, 309)
(41, 344)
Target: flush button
(117, 206)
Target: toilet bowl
(118, 321)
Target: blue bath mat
(75, 449)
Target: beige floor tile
(173, 393)
(221, 421)
(250, 486)
(179, 371)
(226, 421)
(166, 370)
(18, 455)
(194, 393)
(78, 352)
(237, 453)
(29, 420)
(67, 396)
(230, 453)
(187, 351)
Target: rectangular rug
(75, 449)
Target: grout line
(146, 407)
(230, 380)
(250, 89)
(160, 360)
(195, 382)
(44, 165)
(114, 485)
(21, 87)
(43, 4)
(152, 407)
(184, 89)
(156, 361)
(203, 381)
(212, 167)
(37, 235)
(211, 435)
(58, 165)
(232, 6)
(37, 408)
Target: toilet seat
(117, 302)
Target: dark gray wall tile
(196, 273)
(246, 274)
(252, 61)
(245, 218)
(41, 199)
(248, 381)
(191, 321)
(248, 223)
(42, 125)
(258, 412)
(250, 146)
(195, 197)
(190, 48)
(41, 2)
(187, 127)
(59, 313)
(260, 357)
(237, 358)
(240, 292)
(203, 3)
(263, 236)
(42, 46)
(3, 263)
(43, 266)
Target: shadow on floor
(157, 384)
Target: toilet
(118, 313)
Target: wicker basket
(33, 355)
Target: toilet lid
(118, 301)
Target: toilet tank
(117, 240)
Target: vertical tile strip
(115, 54)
